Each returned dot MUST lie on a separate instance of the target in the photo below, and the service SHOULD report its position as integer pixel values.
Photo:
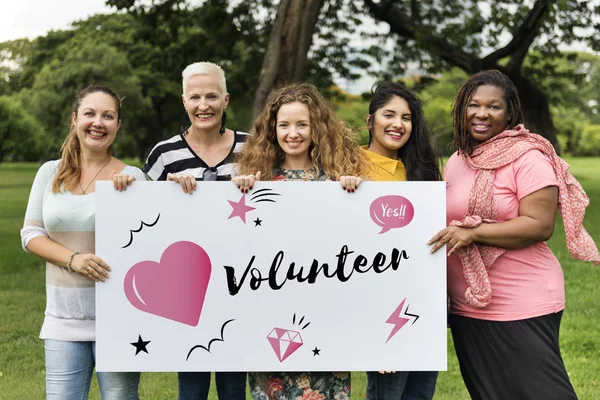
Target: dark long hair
(417, 154)
(493, 77)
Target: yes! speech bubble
(391, 212)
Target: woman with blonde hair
(297, 136)
(60, 228)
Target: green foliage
(569, 79)
(438, 35)
(436, 99)
(353, 110)
(589, 90)
(141, 55)
(52, 96)
(13, 54)
(570, 123)
(169, 35)
(589, 145)
(22, 138)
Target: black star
(316, 352)
(140, 345)
(257, 222)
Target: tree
(22, 138)
(51, 97)
(240, 36)
(290, 39)
(172, 34)
(453, 33)
(13, 54)
(437, 36)
(141, 54)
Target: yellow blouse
(383, 168)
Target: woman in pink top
(506, 288)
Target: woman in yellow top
(399, 149)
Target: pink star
(240, 208)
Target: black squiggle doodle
(260, 190)
(261, 193)
(142, 224)
(207, 348)
(411, 315)
(256, 196)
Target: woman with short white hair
(203, 152)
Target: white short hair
(205, 68)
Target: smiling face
(390, 126)
(97, 121)
(293, 132)
(486, 114)
(205, 102)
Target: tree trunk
(536, 110)
(289, 42)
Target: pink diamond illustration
(284, 342)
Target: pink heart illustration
(175, 288)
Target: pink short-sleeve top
(527, 282)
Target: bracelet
(71, 260)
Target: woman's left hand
(454, 237)
(246, 182)
(350, 183)
(121, 181)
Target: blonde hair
(69, 167)
(333, 149)
(204, 68)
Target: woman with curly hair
(297, 136)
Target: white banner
(293, 276)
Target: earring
(184, 124)
(223, 120)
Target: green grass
(22, 302)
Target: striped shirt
(176, 156)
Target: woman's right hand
(187, 182)
(246, 182)
(91, 266)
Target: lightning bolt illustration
(396, 320)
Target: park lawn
(22, 302)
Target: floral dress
(299, 385)
(281, 174)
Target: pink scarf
(494, 153)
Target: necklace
(93, 179)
